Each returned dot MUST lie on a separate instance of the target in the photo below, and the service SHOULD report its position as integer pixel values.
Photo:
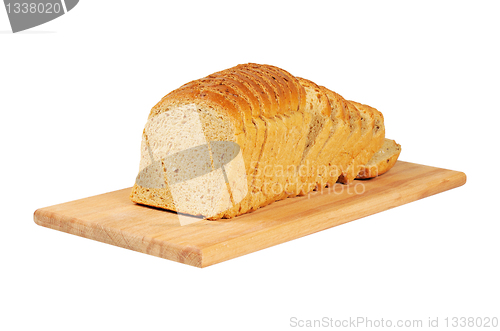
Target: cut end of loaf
(188, 161)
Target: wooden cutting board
(112, 218)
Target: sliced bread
(244, 137)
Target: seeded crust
(304, 135)
(383, 160)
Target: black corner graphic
(70, 4)
(26, 14)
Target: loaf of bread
(242, 138)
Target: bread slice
(239, 186)
(342, 159)
(375, 142)
(383, 160)
(320, 126)
(297, 129)
(288, 94)
(274, 137)
(294, 129)
(293, 186)
(367, 125)
(242, 88)
(274, 177)
(338, 135)
(266, 132)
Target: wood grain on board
(112, 218)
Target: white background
(74, 97)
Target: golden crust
(281, 90)
(291, 85)
(267, 92)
